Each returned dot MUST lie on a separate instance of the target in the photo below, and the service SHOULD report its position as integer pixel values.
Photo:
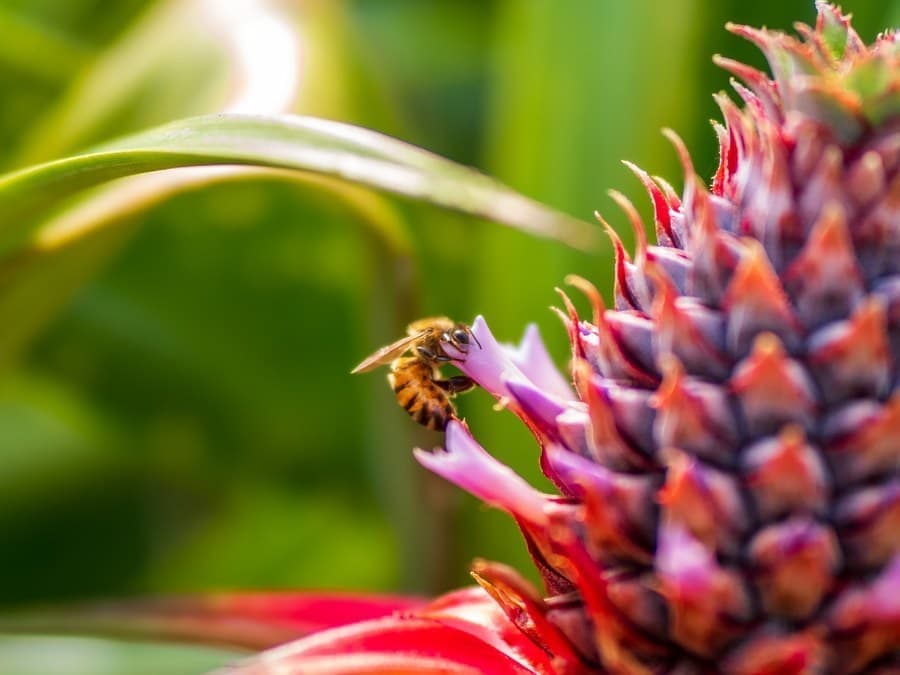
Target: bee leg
(457, 384)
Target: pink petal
(466, 464)
(533, 359)
(540, 407)
(489, 364)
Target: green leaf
(32, 655)
(176, 59)
(36, 49)
(319, 147)
(834, 34)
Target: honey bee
(416, 379)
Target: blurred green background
(176, 409)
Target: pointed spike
(607, 445)
(622, 348)
(671, 195)
(823, 184)
(808, 149)
(613, 235)
(683, 155)
(865, 619)
(861, 440)
(634, 414)
(786, 56)
(796, 653)
(617, 640)
(824, 279)
(757, 81)
(523, 606)
(505, 584)
(785, 475)
(571, 312)
(772, 389)
(706, 602)
(769, 211)
(582, 372)
(567, 323)
(556, 577)
(808, 34)
(572, 323)
(663, 220)
(691, 179)
(852, 358)
(568, 613)
(590, 291)
(633, 335)
(573, 426)
(637, 224)
(795, 563)
(867, 522)
(867, 178)
(877, 235)
(734, 123)
(713, 251)
(617, 521)
(627, 297)
(633, 595)
(675, 263)
(734, 118)
(755, 301)
(726, 161)
(705, 501)
(749, 97)
(691, 332)
(692, 415)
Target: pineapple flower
(727, 448)
(728, 451)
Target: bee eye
(461, 336)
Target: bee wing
(386, 354)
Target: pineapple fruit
(729, 458)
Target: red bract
(463, 632)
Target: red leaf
(398, 644)
(251, 620)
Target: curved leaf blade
(310, 145)
(241, 620)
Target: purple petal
(493, 365)
(575, 471)
(573, 425)
(487, 362)
(538, 405)
(533, 359)
(466, 464)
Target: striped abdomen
(413, 383)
